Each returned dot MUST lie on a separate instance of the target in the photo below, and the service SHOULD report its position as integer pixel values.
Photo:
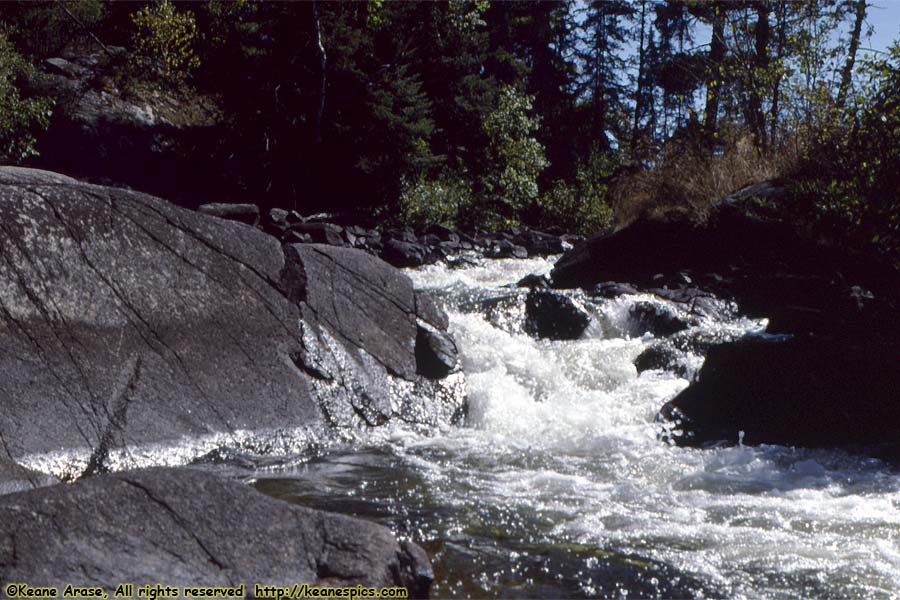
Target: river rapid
(560, 483)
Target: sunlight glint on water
(561, 448)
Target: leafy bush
(21, 119)
(163, 42)
(427, 202)
(515, 159)
(582, 207)
(849, 178)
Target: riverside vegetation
(476, 114)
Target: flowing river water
(560, 483)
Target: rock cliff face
(161, 142)
(128, 325)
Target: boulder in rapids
(554, 316)
(804, 391)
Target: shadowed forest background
(577, 116)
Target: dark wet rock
(436, 353)
(459, 262)
(404, 254)
(660, 357)
(612, 289)
(804, 391)
(533, 281)
(186, 527)
(694, 300)
(571, 240)
(128, 321)
(405, 234)
(503, 248)
(443, 234)
(321, 233)
(428, 310)
(296, 237)
(449, 248)
(245, 213)
(750, 251)
(538, 243)
(655, 318)
(430, 240)
(16, 478)
(554, 316)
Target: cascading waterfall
(561, 483)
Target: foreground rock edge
(184, 527)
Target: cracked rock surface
(127, 321)
(186, 527)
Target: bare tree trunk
(714, 80)
(763, 33)
(90, 33)
(323, 63)
(641, 75)
(781, 38)
(847, 72)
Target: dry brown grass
(685, 184)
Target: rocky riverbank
(823, 374)
(136, 333)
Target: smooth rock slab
(183, 527)
(129, 326)
(16, 478)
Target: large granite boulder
(189, 528)
(127, 322)
(805, 391)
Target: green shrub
(163, 42)
(439, 201)
(21, 119)
(848, 180)
(515, 159)
(580, 208)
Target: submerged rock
(554, 316)
(188, 528)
